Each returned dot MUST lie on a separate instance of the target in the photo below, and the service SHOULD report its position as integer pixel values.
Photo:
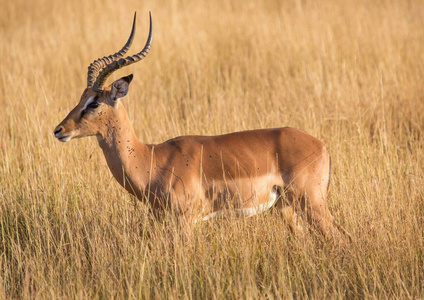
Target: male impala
(201, 177)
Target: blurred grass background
(348, 72)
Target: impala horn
(100, 69)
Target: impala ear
(120, 87)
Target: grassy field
(349, 72)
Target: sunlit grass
(350, 73)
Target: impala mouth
(63, 138)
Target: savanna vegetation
(349, 72)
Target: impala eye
(93, 104)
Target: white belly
(244, 212)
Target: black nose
(58, 130)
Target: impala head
(97, 102)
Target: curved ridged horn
(95, 67)
(116, 64)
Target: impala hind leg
(288, 213)
(293, 220)
(315, 206)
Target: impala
(202, 177)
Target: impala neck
(125, 152)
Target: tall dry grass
(348, 72)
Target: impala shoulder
(179, 144)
